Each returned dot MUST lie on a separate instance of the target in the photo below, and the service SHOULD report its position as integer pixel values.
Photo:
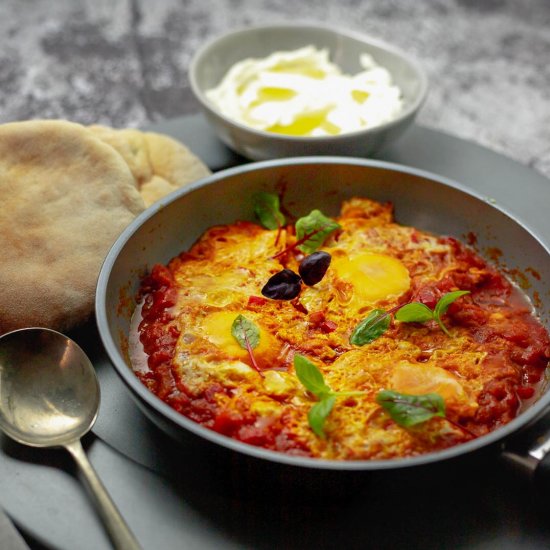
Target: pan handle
(528, 453)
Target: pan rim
(151, 401)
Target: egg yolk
(216, 327)
(374, 277)
(421, 379)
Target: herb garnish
(247, 335)
(313, 229)
(379, 320)
(417, 312)
(409, 410)
(318, 414)
(311, 232)
(312, 379)
(310, 376)
(370, 328)
(267, 210)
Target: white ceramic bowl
(212, 61)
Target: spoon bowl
(49, 392)
(49, 397)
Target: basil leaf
(443, 305)
(245, 332)
(414, 312)
(410, 410)
(312, 379)
(370, 328)
(313, 229)
(267, 210)
(310, 376)
(446, 300)
(318, 414)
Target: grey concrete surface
(124, 62)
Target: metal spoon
(49, 397)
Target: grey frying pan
(421, 199)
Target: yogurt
(302, 93)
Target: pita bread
(159, 163)
(66, 196)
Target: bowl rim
(151, 401)
(403, 115)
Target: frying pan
(421, 199)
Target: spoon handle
(121, 536)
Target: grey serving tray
(173, 497)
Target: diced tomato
(159, 357)
(498, 402)
(316, 318)
(525, 392)
(227, 422)
(157, 302)
(160, 277)
(532, 375)
(468, 315)
(298, 306)
(428, 296)
(165, 380)
(328, 326)
(256, 301)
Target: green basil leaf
(318, 414)
(446, 300)
(414, 312)
(443, 305)
(245, 331)
(370, 328)
(267, 210)
(310, 376)
(313, 229)
(409, 410)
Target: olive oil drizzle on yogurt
(302, 93)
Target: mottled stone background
(124, 62)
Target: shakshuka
(345, 338)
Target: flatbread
(66, 196)
(159, 163)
